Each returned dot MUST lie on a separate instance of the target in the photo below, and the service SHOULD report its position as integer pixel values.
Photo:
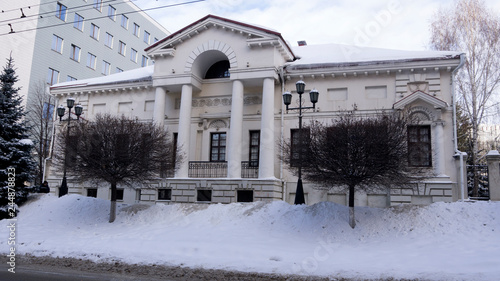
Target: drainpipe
(455, 135)
(282, 78)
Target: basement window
(204, 195)
(244, 195)
(164, 194)
(92, 192)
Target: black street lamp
(287, 100)
(63, 189)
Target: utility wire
(18, 20)
(16, 9)
(101, 17)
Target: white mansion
(217, 86)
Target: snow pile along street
(443, 241)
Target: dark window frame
(204, 195)
(254, 149)
(219, 156)
(92, 192)
(165, 194)
(244, 195)
(119, 194)
(419, 146)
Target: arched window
(219, 69)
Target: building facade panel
(217, 82)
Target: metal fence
(482, 181)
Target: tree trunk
(352, 222)
(112, 210)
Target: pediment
(255, 36)
(420, 96)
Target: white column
(184, 130)
(235, 132)
(159, 109)
(267, 141)
(439, 166)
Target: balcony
(206, 169)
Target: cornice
(375, 68)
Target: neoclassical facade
(217, 86)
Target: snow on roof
(341, 54)
(139, 74)
(308, 55)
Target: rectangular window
(78, 24)
(91, 60)
(75, 53)
(121, 48)
(61, 12)
(52, 77)
(111, 12)
(144, 61)
(296, 145)
(118, 70)
(119, 194)
(92, 192)
(204, 195)
(70, 78)
(136, 29)
(244, 196)
(218, 147)
(146, 37)
(419, 146)
(105, 67)
(109, 40)
(164, 194)
(254, 148)
(57, 43)
(94, 31)
(98, 5)
(156, 40)
(124, 22)
(133, 55)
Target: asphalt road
(39, 273)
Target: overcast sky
(392, 24)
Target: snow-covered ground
(443, 241)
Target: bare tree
(469, 26)
(117, 150)
(356, 152)
(41, 120)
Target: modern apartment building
(59, 41)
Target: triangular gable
(419, 95)
(255, 36)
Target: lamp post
(70, 102)
(287, 100)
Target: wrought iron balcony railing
(206, 169)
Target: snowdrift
(443, 241)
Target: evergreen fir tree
(16, 162)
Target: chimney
(302, 43)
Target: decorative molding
(418, 86)
(418, 95)
(217, 124)
(421, 113)
(220, 101)
(208, 46)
